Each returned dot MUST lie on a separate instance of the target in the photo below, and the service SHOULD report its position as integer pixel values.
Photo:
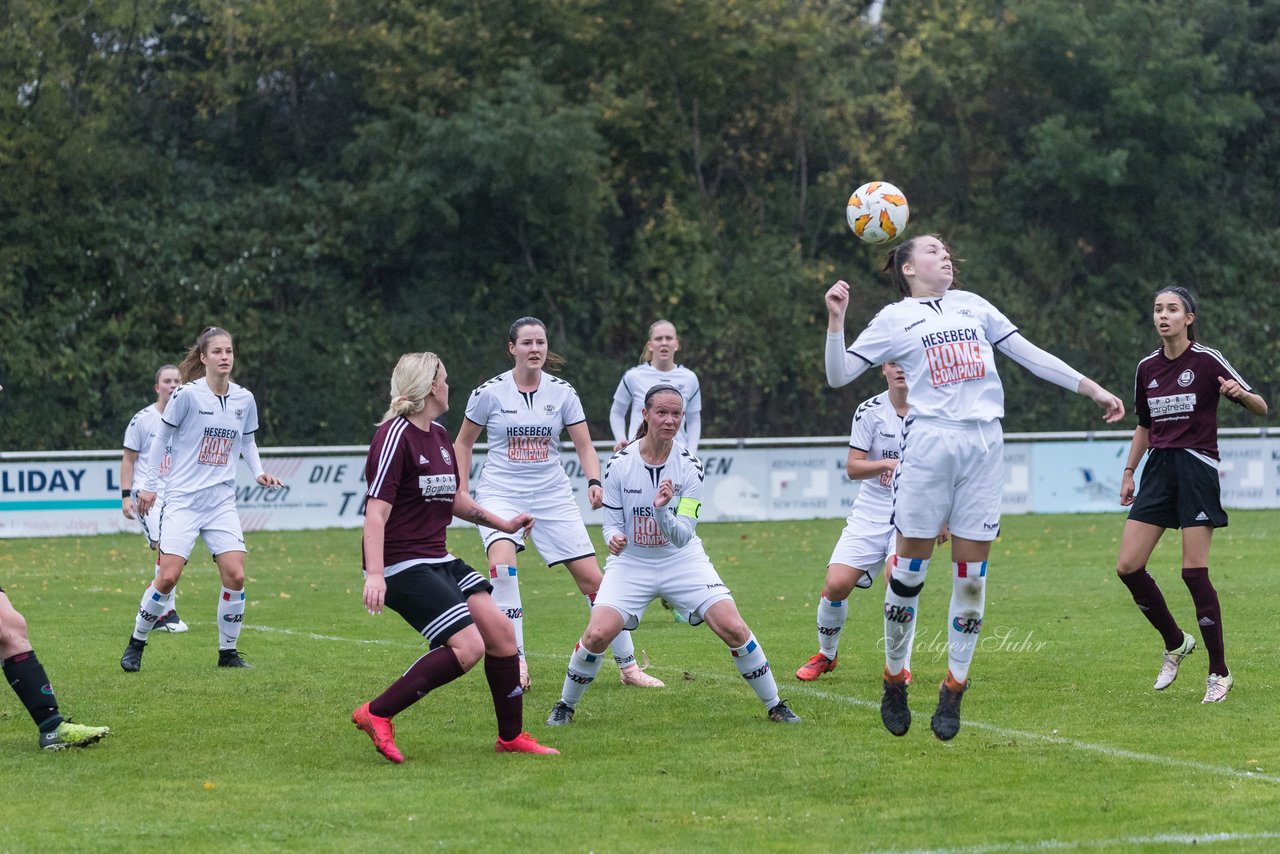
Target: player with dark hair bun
(1176, 392)
(952, 466)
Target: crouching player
(652, 492)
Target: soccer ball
(877, 212)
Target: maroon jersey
(416, 473)
(1177, 399)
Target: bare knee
(468, 646)
(13, 635)
(723, 619)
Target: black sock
(503, 674)
(1208, 615)
(28, 680)
(1146, 593)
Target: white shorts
(558, 532)
(690, 584)
(864, 545)
(150, 521)
(210, 513)
(949, 474)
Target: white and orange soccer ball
(877, 212)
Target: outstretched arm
(1049, 367)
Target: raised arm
(1049, 367)
(842, 366)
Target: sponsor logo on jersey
(954, 356)
(645, 530)
(1186, 378)
(1170, 404)
(528, 449)
(433, 485)
(215, 446)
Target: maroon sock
(1208, 615)
(1150, 601)
(503, 673)
(436, 668)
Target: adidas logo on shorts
(1202, 516)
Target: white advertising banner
(81, 496)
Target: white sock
(964, 621)
(153, 606)
(584, 666)
(901, 611)
(506, 595)
(830, 621)
(230, 617)
(173, 594)
(754, 667)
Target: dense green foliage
(339, 181)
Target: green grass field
(1064, 744)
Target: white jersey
(524, 430)
(629, 487)
(877, 429)
(637, 381)
(210, 435)
(946, 347)
(137, 438)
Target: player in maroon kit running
(412, 472)
(1176, 393)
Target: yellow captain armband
(688, 507)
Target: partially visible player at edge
(1176, 391)
(137, 440)
(25, 675)
(952, 466)
(523, 412)
(208, 426)
(866, 543)
(657, 365)
(652, 493)
(412, 472)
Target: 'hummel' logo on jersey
(1202, 517)
(422, 461)
(1152, 384)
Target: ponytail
(191, 368)
(411, 382)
